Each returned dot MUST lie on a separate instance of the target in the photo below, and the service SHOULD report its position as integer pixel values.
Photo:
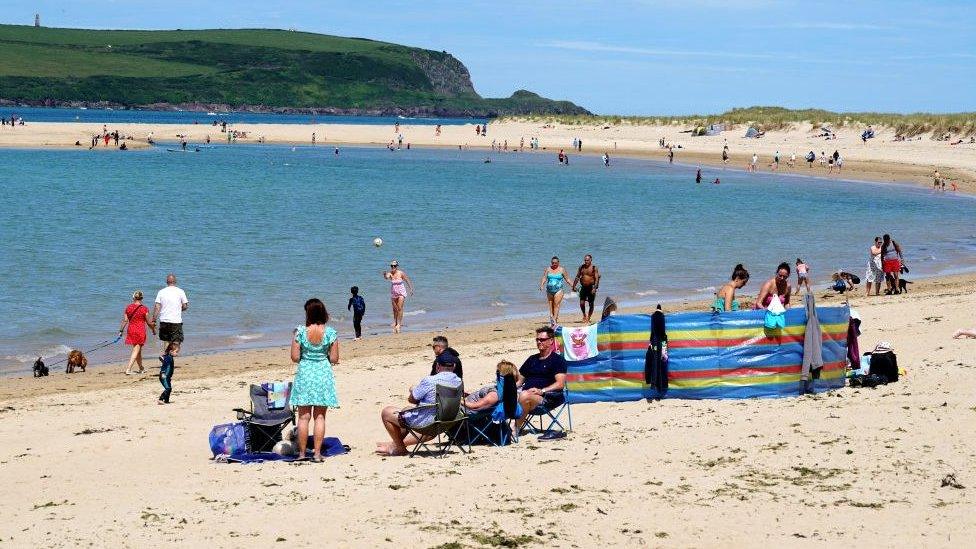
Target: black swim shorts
(587, 293)
(169, 331)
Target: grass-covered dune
(776, 118)
(245, 68)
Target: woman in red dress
(136, 316)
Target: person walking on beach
(752, 165)
(166, 373)
(725, 154)
(313, 139)
(588, 279)
(400, 287)
(358, 307)
(670, 155)
(553, 278)
(875, 273)
(891, 263)
(315, 348)
(168, 310)
(136, 317)
(802, 280)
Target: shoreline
(879, 160)
(194, 366)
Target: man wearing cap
(440, 347)
(396, 420)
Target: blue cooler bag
(228, 439)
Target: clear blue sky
(628, 56)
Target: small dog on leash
(40, 370)
(903, 285)
(76, 359)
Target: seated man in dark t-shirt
(544, 372)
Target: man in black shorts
(588, 278)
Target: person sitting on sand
(396, 420)
(440, 346)
(970, 333)
(725, 298)
(778, 287)
(543, 375)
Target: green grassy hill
(247, 68)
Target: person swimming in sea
(553, 279)
(725, 298)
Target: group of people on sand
(777, 287)
(167, 315)
(886, 263)
(555, 279)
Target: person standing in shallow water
(400, 287)
(553, 280)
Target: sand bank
(880, 159)
(91, 459)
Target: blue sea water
(126, 116)
(252, 231)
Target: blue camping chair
(545, 419)
(495, 425)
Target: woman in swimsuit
(400, 285)
(552, 282)
(725, 298)
(778, 286)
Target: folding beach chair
(483, 422)
(266, 420)
(438, 437)
(546, 420)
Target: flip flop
(552, 435)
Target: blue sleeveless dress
(314, 381)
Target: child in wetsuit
(166, 373)
(358, 307)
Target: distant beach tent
(715, 129)
(711, 355)
(753, 132)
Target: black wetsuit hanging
(655, 362)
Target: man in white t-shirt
(168, 310)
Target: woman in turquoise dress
(315, 349)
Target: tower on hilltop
(37, 20)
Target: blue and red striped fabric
(712, 355)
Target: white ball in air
(377, 242)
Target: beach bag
(775, 314)
(885, 364)
(228, 439)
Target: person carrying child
(358, 307)
(166, 372)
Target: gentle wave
(498, 303)
(647, 293)
(248, 337)
(46, 353)
(706, 289)
(415, 313)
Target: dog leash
(101, 345)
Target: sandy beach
(880, 159)
(94, 460)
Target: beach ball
(377, 242)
